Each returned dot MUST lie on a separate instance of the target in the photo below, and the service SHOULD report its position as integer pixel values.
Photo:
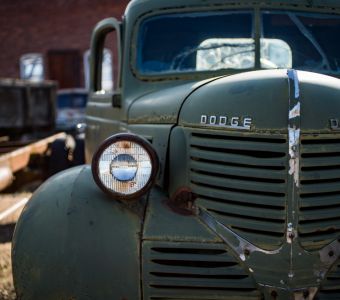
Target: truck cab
(213, 165)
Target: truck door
(103, 112)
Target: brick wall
(28, 26)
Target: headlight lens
(125, 165)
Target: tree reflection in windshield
(212, 53)
(312, 38)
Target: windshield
(313, 38)
(189, 42)
(169, 43)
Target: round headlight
(125, 165)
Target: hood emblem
(243, 123)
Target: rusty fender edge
(74, 242)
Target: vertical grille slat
(193, 271)
(242, 180)
(319, 215)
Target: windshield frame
(193, 75)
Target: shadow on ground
(6, 232)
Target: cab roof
(140, 6)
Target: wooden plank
(19, 158)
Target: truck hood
(259, 101)
(251, 101)
(162, 107)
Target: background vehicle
(28, 133)
(37, 132)
(245, 167)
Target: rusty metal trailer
(27, 130)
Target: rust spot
(183, 202)
(246, 252)
(125, 145)
(274, 294)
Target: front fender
(74, 242)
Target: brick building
(58, 30)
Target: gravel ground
(6, 231)
(6, 282)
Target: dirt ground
(6, 282)
(6, 231)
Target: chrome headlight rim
(121, 137)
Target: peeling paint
(291, 233)
(295, 111)
(294, 115)
(292, 74)
(294, 162)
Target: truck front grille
(319, 216)
(193, 271)
(242, 180)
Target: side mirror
(102, 29)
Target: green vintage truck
(215, 161)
